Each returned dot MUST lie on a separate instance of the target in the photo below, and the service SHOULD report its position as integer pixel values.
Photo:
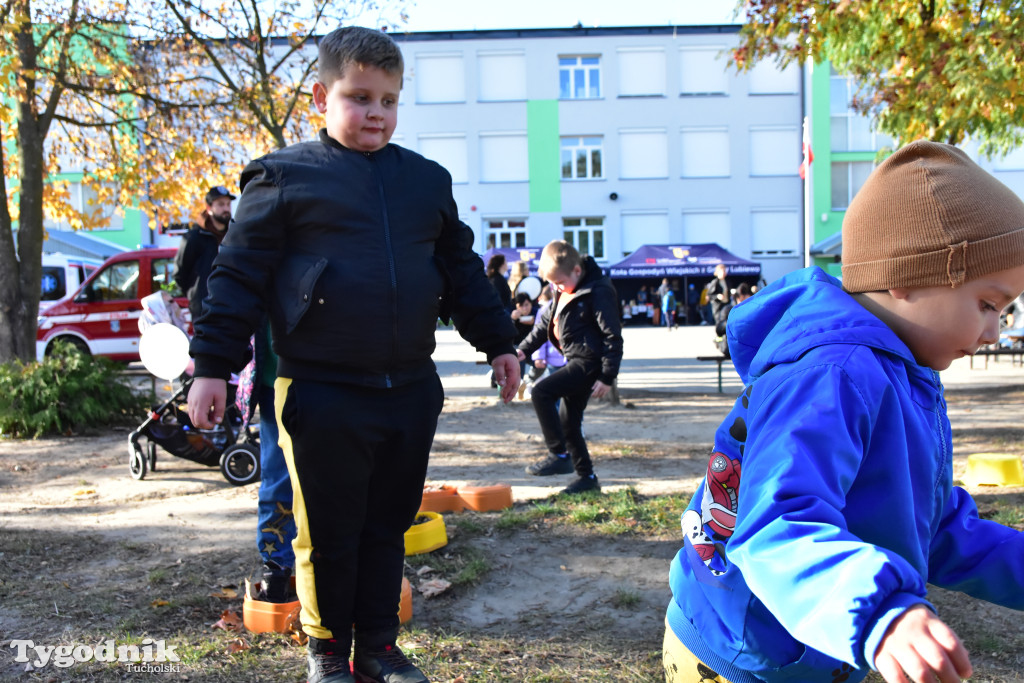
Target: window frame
(588, 151)
(586, 69)
(572, 233)
(491, 234)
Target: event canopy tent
(690, 260)
(512, 254)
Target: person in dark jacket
(198, 249)
(497, 266)
(583, 323)
(357, 407)
(721, 340)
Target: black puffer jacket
(355, 255)
(589, 327)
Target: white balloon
(531, 284)
(163, 349)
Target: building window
(707, 225)
(84, 199)
(579, 78)
(847, 179)
(504, 232)
(766, 78)
(440, 78)
(641, 72)
(643, 227)
(775, 232)
(504, 158)
(850, 131)
(502, 76)
(581, 158)
(449, 150)
(702, 71)
(774, 151)
(643, 153)
(705, 152)
(586, 234)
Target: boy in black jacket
(583, 323)
(357, 401)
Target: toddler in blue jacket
(829, 504)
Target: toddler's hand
(921, 646)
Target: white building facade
(611, 138)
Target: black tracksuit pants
(357, 458)
(562, 425)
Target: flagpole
(807, 194)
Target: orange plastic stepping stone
(486, 498)
(442, 498)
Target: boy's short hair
(523, 298)
(350, 45)
(561, 256)
(929, 216)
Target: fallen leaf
(227, 592)
(434, 587)
(293, 625)
(237, 645)
(425, 569)
(229, 621)
(459, 679)
(84, 492)
(159, 603)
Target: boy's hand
(919, 647)
(540, 363)
(600, 389)
(520, 355)
(506, 375)
(206, 401)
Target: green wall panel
(545, 156)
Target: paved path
(656, 359)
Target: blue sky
(453, 15)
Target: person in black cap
(194, 260)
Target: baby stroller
(169, 426)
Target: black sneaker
(588, 483)
(324, 666)
(552, 464)
(276, 584)
(387, 665)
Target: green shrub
(65, 394)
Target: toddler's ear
(902, 293)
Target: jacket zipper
(389, 250)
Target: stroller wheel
(136, 463)
(151, 447)
(240, 464)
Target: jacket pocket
(296, 281)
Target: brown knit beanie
(929, 216)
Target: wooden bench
(1016, 355)
(718, 358)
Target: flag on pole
(805, 165)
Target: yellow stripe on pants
(305, 582)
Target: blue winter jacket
(846, 507)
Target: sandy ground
(655, 441)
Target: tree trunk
(21, 275)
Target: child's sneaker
(387, 665)
(553, 464)
(582, 484)
(324, 665)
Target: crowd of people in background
(694, 302)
